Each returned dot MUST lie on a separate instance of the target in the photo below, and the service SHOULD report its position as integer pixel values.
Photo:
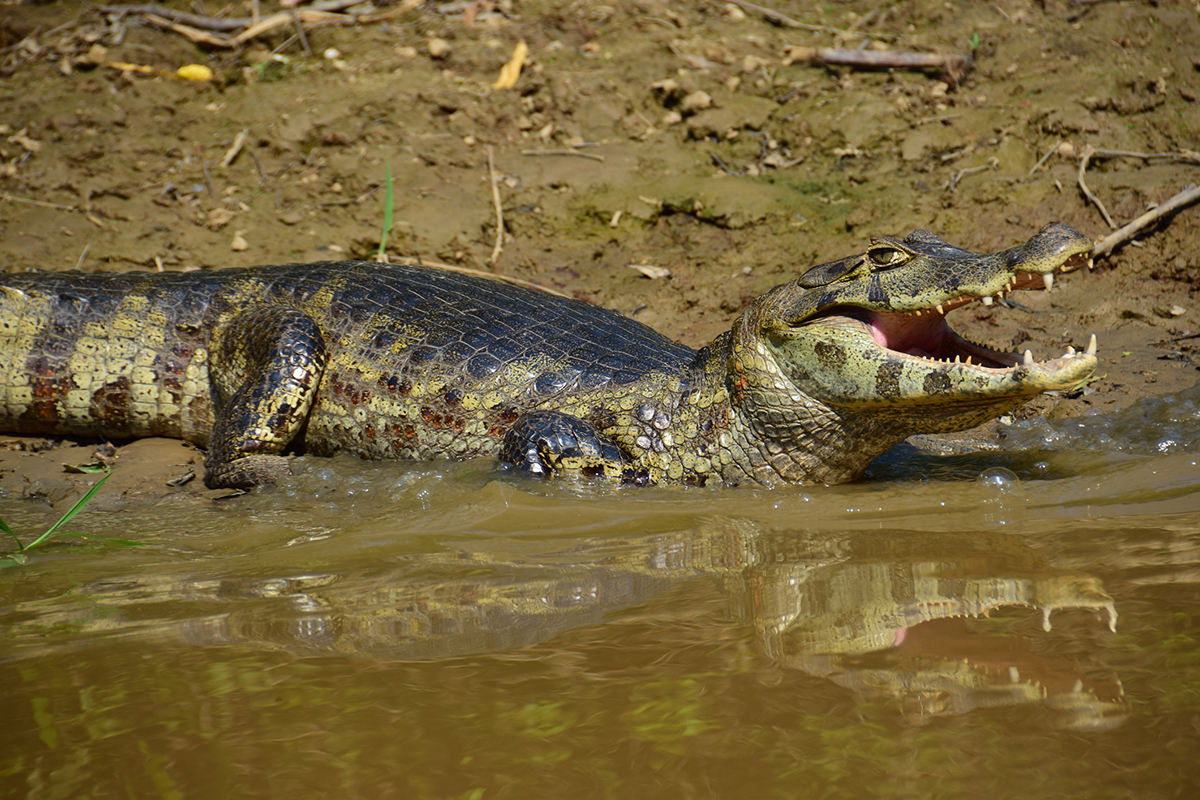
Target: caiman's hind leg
(265, 365)
(552, 443)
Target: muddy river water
(1019, 622)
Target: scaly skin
(387, 361)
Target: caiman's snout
(1055, 247)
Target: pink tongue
(918, 336)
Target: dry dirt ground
(683, 135)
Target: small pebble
(696, 101)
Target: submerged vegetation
(21, 555)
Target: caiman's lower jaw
(872, 359)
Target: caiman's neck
(786, 436)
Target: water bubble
(999, 478)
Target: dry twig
(1084, 158)
(1090, 152)
(496, 202)
(42, 203)
(235, 148)
(955, 177)
(1109, 243)
(953, 66)
(567, 152)
(228, 25)
(214, 32)
(1053, 148)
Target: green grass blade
(388, 210)
(123, 542)
(75, 509)
(4, 527)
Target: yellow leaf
(194, 72)
(512, 70)
(124, 67)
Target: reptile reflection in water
(887, 615)
(880, 613)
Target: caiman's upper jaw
(1021, 280)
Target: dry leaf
(511, 71)
(651, 271)
(218, 218)
(124, 67)
(32, 145)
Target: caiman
(815, 378)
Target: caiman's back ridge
(815, 379)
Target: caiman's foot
(266, 365)
(549, 443)
(246, 472)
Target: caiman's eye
(886, 257)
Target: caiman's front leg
(549, 443)
(265, 365)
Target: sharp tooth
(987, 301)
(940, 309)
(1070, 350)
(968, 361)
(957, 360)
(1028, 359)
(1091, 351)
(1089, 264)
(1048, 279)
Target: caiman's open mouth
(876, 335)
(925, 334)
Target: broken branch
(1109, 243)
(954, 66)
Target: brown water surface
(1012, 624)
